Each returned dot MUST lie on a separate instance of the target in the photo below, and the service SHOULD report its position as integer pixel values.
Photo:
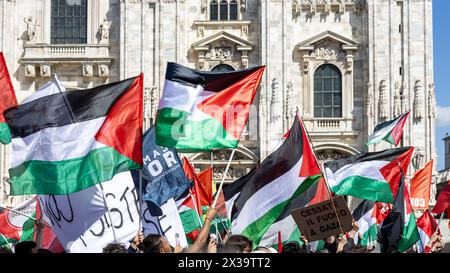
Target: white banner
(169, 224)
(81, 221)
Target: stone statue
(397, 100)
(290, 102)
(31, 29)
(431, 101)
(384, 106)
(275, 102)
(418, 100)
(433, 189)
(204, 5)
(243, 5)
(369, 101)
(104, 31)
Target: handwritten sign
(320, 221)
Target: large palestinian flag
(69, 141)
(366, 219)
(390, 131)
(280, 178)
(204, 110)
(427, 226)
(373, 176)
(285, 224)
(7, 100)
(399, 230)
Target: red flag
(7, 100)
(321, 193)
(443, 201)
(420, 187)
(198, 192)
(427, 227)
(205, 178)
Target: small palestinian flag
(399, 231)
(373, 176)
(204, 110)
(69, 141)
(390, 131)
(365, 217)
(280, 178)
(17, 227)
(427, 227)
(7, 100)
(285, 224)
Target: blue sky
(441, 33)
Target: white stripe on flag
(379, 135)
(179, 96)
(287, 226)
(369, 169)
(274, 193)
(57, 143)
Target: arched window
(222, 68)
(223, 10)
(233, 10)
(327, 92)
(214, 10)
(68, 22)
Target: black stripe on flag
(211, 81)
(232, 189)
(362, 209)
(387, 123)
(52, 111)
(274, 166)
(386, 155)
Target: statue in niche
(104, 31)
(290, 102)
(275, 102)
(384, 107)
(31, 29)
(418, 100)
(369, 101)
(397, 100)
(431, 101)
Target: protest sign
(320, 221)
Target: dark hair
(25, 247)
(229, 248)
(292, 247)
(114, 248)
(239, 241)
(43, 250)
(152, 243)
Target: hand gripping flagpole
(8, 243)
(223, 178)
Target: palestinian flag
(399, 230)
(280, 178)
(427, 227)
(390, 131)
(372, 176)
(69, 141)
(365, 217)
(17, 227)
(7, 100)
(285, 224)
(204, 110)
(443, 201)
(189, 216)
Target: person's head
(292, 247)
(43, 250)
(114, 248)
(155, 243)
(25, 247)
(263, 249)
(330, 240)
(242, 242)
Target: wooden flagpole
(223, 178)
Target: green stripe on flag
(364, 188)
(410, 234)
(256, 230)
(68, 176)
(369, 236)
(173, 129)
(5, 133)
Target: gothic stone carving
(222, 53)
(431, 101)
(397, 100)
(290, 102)
(104, 31)
(103, 71)
(384, 105)
(418, 100)
(30, 71)
(88, 70)
(31, 29)
(369, 101)
(46, 71)
(275, 103)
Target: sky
(441, 36)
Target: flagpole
(72, 116)
(196, 209)
(8, 243)
(109, 214)
(223, 178)
(140, 200)
(212, 168)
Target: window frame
(219, 2)
(331, 90)
(63, 39)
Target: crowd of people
(205, 243)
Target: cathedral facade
(346, 65)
